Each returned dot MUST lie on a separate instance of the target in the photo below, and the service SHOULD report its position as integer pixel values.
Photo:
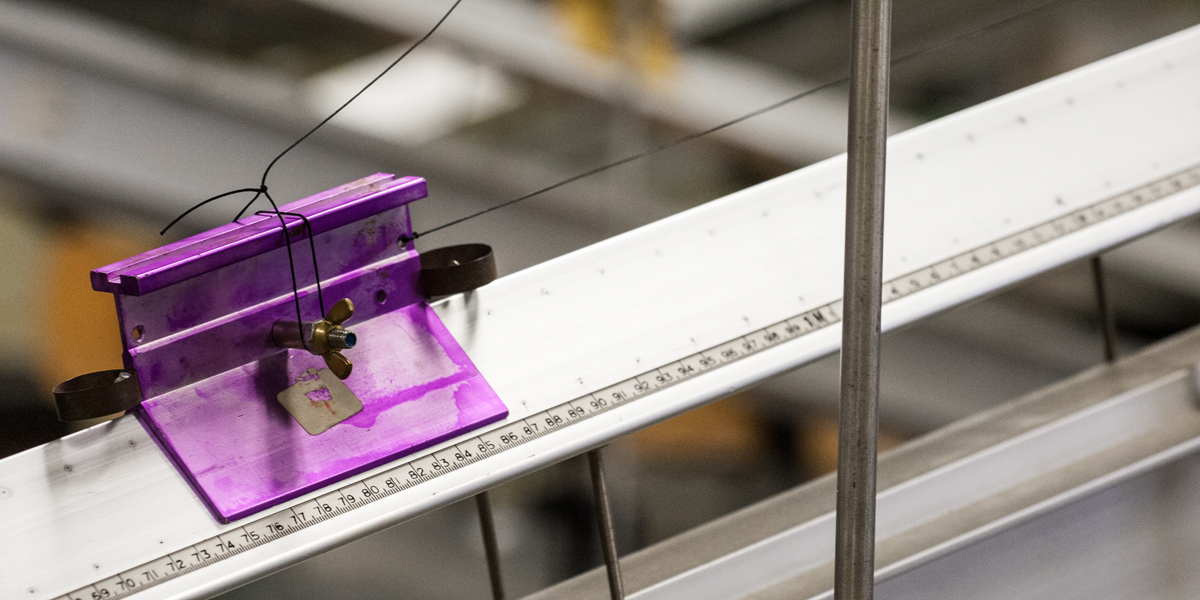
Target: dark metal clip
(98, 394)
(456, 269)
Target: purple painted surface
(196, 318)
(254, 235)
(185, 327)
(243, 335)
(244, 452)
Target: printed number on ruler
(430, 466)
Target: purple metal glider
(196, 319)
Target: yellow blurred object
(593, 26)
(77, 325)
(724, 433)
(22, 244)
(818, 443)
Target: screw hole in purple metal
(380, 297)
(138, 333)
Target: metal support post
(1108, 324)
(854, 563)
(483, 502)
(608, 539)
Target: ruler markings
(509, 435)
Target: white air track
(975, 202)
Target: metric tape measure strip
(500, 439)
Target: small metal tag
(319, 400)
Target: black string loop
(258, 191)
(312, 244)
(287, 240)
(261, 190)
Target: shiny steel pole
(491, 550)
(854, 561)
(1108, 325)
(604, 521)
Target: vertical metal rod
(854, 560)
(608, 539)
(1108, 324)
(491, 549)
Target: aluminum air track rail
(1084, 489)
(675, 314)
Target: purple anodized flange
(196, 319)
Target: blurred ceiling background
(117, 116)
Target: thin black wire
(312, 245)
(750, 115)
(217, 197)
(287, 239)
(261, 190)
(414, 46)
(262, 186)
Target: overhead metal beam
(703, 89)
(104, 112)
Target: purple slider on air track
(196, 319)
